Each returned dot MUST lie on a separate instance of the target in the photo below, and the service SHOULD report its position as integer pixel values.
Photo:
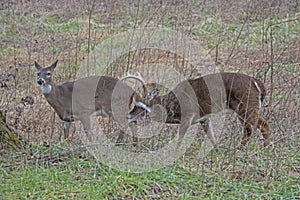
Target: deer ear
(53, 66)
(37, 65)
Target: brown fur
(79, 99)
(241, 96)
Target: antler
(138, 78)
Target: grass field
(258, 38)
(270, 175)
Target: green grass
(79, 176)
(291, 68)
(224, 34)
(253, 173)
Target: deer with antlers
(193, 101)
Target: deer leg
(249, 116)
(247, 133)
(133, 128)
(86, 122)
(264, 127)
(66, 129)
(247, 129)
(86, 125)
(208, 128)
(183, 127)
(120, 138)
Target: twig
(235, 41)
(272, 61)
(89, 38)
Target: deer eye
(38, 74)
(48, 73)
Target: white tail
(241, 93)
(93, 96)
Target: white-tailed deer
(80, 99)
(193, 100)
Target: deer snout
(41, 81)
(130, 118)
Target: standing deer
(80, 99)
(193, 100)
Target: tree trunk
(8, 139)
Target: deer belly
(101, 112)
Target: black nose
(40, 82)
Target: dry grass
(236, 36)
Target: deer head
(142, 107)
(44, 75)
(243, 95)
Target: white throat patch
(46, 89)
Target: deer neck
(52, 95)
(46, 89)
